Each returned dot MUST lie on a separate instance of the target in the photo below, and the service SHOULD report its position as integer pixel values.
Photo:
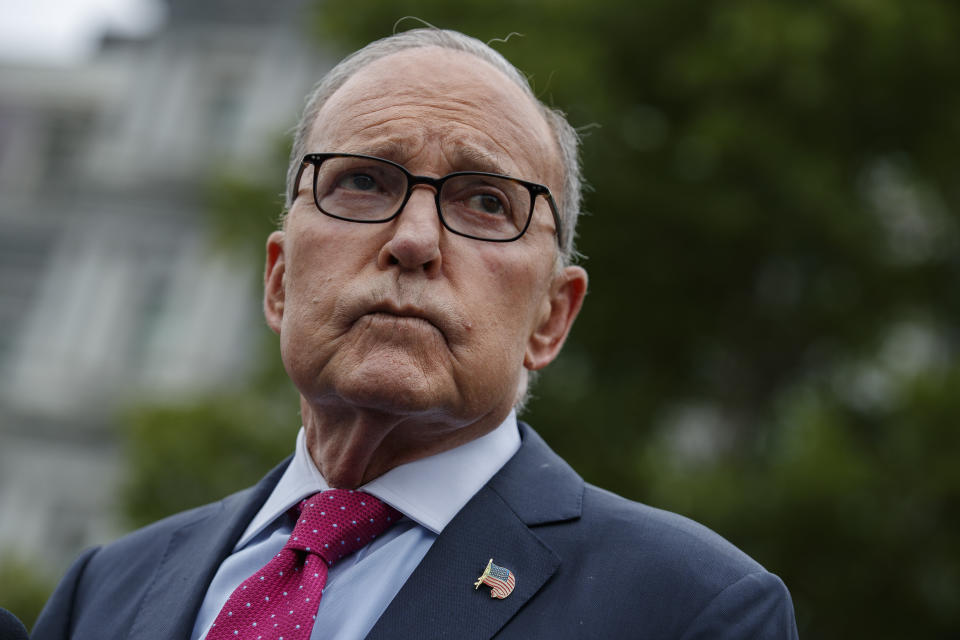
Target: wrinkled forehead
(432, 102)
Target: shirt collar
(429, 491)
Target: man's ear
(273, 285)
(566, 297)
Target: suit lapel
(439, 600)
(192, 556)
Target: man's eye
(487, 203)
(357, 182)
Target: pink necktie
(279, 602)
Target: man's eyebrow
(388, 149)
(473, 159)
(464, 158)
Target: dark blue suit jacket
(588, 564)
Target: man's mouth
(415, 315)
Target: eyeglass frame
(533, 188)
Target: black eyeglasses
(474, 204)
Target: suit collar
(178, 588)
(534, 488)
(535, 466)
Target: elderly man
(423, 271)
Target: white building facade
(110, 288)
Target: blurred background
(769, 344)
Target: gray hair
(565, 135)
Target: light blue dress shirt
(428, 492)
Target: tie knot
(337, 522)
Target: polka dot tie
(279, 602)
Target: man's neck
(352, 446)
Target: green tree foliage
(187, 455)
(22, 590)
(769, 344)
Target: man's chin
(394, 390)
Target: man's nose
(415, 239)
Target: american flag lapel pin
(501, 581)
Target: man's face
(404, 317)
